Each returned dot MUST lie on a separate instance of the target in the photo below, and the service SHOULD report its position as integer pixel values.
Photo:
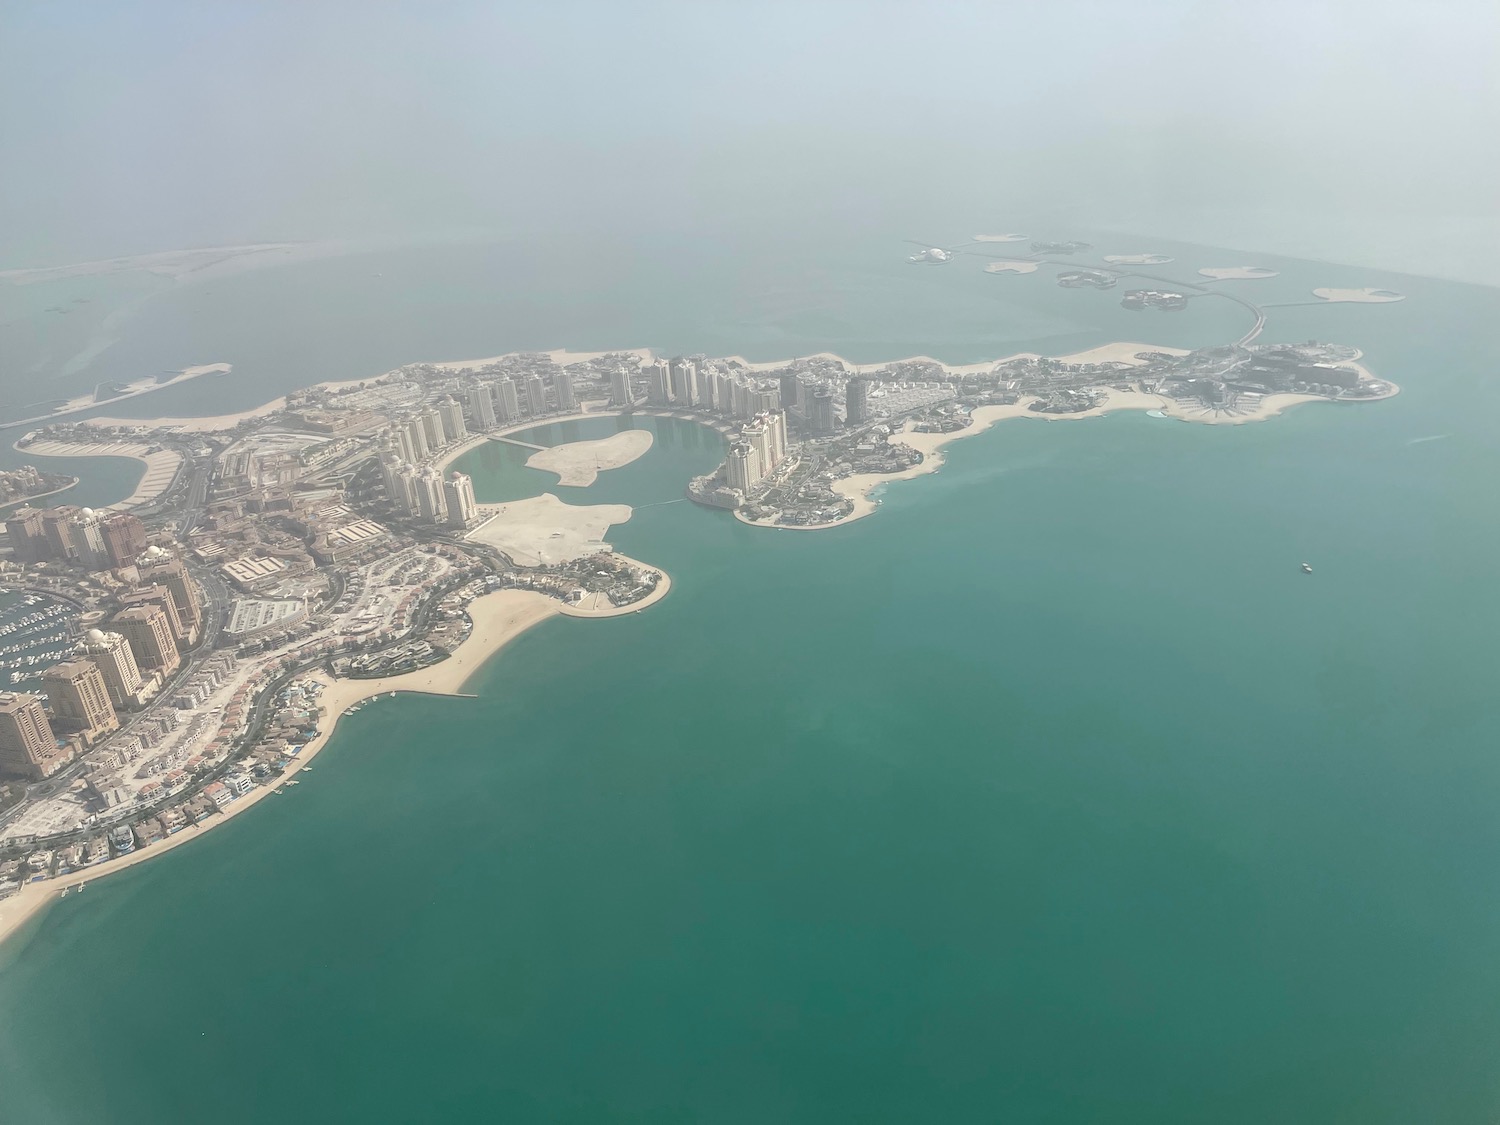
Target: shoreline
(859, 487)
(498, 618)
(1119, 351)
(23, 501)
(663, 587)
(158, 471)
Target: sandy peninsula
(543, 531)
(579, 463)
(1237, 273)
(1011, 265)
(999, 237)
(214, 422)
(1359, 296)
(1139, 259)
(498, 618)
(599, 605)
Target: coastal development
(175, 659)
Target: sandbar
(1360, 296)
(542, 530)
(498, 618)
(1011, 265)
(1139, 259)
(579, 463)
(1237, 273)
(999, 237)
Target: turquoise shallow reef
(1053, 792)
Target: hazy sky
(127, 127)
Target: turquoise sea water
(1051, 793)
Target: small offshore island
(189, 655)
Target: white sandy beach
(998, 237)
(579, 463)
(200, 425)
(498, 618)
(215, 422)
(1138, 259)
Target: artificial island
(170, 661)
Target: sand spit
(999, 237)
(1139, 259)
(216, 422)
(161, 465)
(204, 425)
(542, 530)
(1237, 273)
(1011, 265)
(1359, 296)
(579, 463)
(498, 618)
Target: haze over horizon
(1336, 129)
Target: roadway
(1205, 289)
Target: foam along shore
(1011, 265)
(999, 237)
(543, 531)
(1360, 296)
(1237, 273)
(498, 618)
(578, 464)
(161, 464)
(1139, 259)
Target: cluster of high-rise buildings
(694, 383)
(80, 536)
(116, 668)
(422, 492)
(426, 494)
(760, 448)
